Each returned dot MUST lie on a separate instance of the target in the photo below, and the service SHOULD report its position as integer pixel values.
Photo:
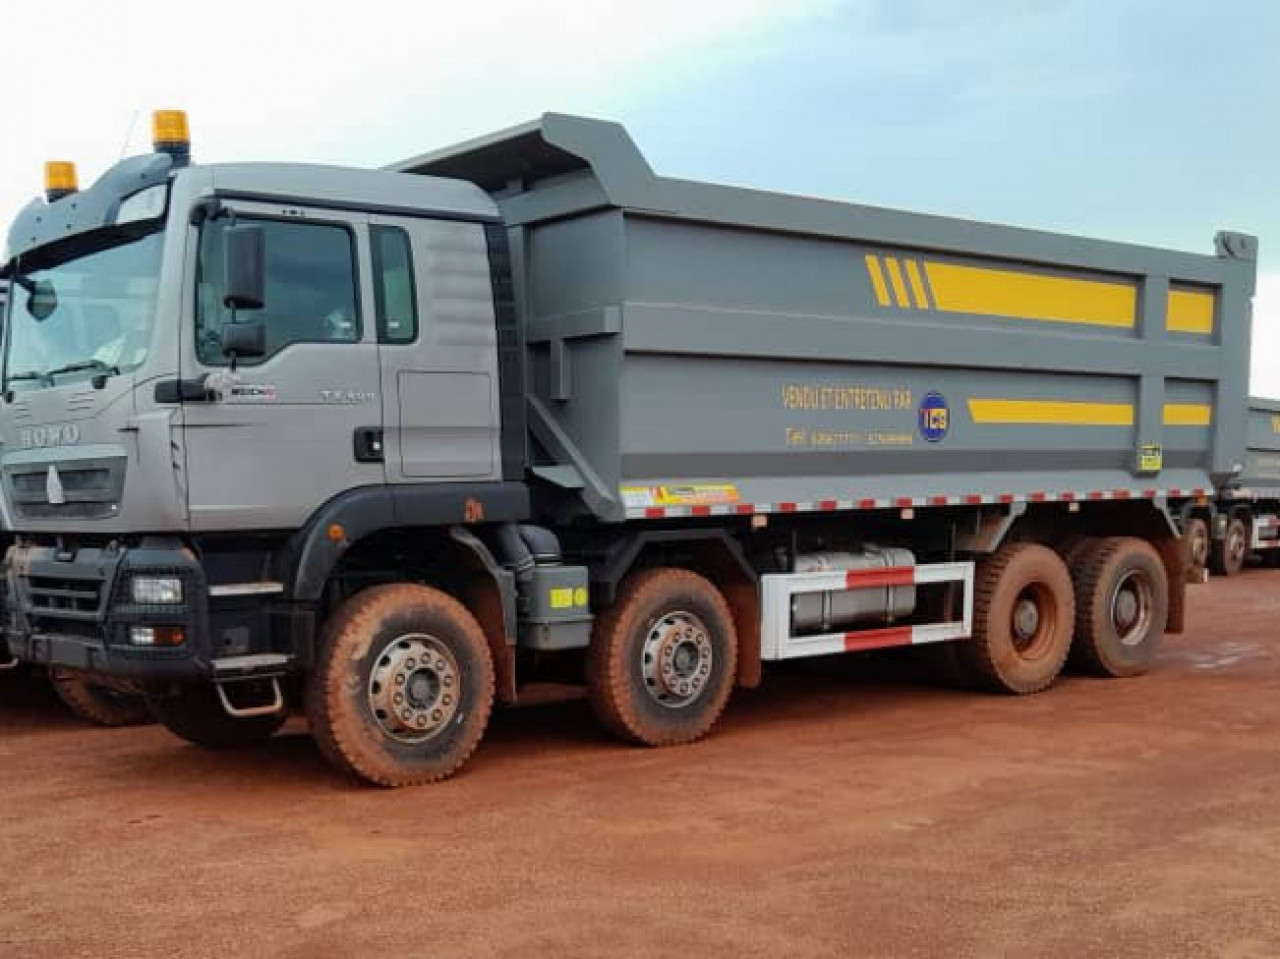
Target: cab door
(434, 305)
(286, 433)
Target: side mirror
(244, 268)
(244, 339)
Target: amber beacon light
(170, 134)
(59, 179)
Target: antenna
(133, 122)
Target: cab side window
(310, 287)
(394, 290)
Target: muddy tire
(97, 703)
(1227, 555)
(1075, 546)
(1199, 544)
(194, 712)
(1122, 604)
(404, 685)
(662, 659)
(1023, 617)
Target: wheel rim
(1132, 605)
(676, 659)
(1032, 622)
(1235, 545)
(1199, 546)
(414, 688)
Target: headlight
(144, 205)
(157, 590)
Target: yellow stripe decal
(1051, 412)
(1188, 414)
(895, 277)
(877, 279)
(1190, 311)
(1031, 296)
(917, 285)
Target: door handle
(368, 444)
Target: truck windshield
(84, 315)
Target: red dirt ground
(843, 809)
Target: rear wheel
(662, 659)
(1228, 554)
(1122, 603)
(99, 703)
(404, 685)
(1198, 543)
(194, 712)
(1023, 617)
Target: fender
(316, 549)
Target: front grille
(58, 598)
(90, 488)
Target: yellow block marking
(562, 598)
(1190, 311)
(1031, 296)
(1051, 412)
(1187, 414)
(895, 277)
(877, 280)
(917, 285)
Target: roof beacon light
(169, 134)
(59, 179)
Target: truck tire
(194, 712)
(1227, 556)
(403, 686)
(1122, 602)
(1199, 543)
(1023, 617)
(662, 659)
(98, 703)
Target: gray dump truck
(386, 446)
(1244, 519)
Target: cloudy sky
(1153, 121)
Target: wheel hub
(1026, 619)
(1132, 607)
(413, 689)
(676, 659)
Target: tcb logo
(934, 417)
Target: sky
(1151, 121)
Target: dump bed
(694, 348)
(1261, 476)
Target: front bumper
(74, 608)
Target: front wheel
(663, 659)
(403, 689)
(194, 712)
(1198, 543)
(99, 703)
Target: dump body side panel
(723, 350)
(1261, 476)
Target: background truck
(1244, 520)
(389, 445)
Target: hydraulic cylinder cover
(832, 610)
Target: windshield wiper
(30, 375)
(95, 364)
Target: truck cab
(168, 442)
